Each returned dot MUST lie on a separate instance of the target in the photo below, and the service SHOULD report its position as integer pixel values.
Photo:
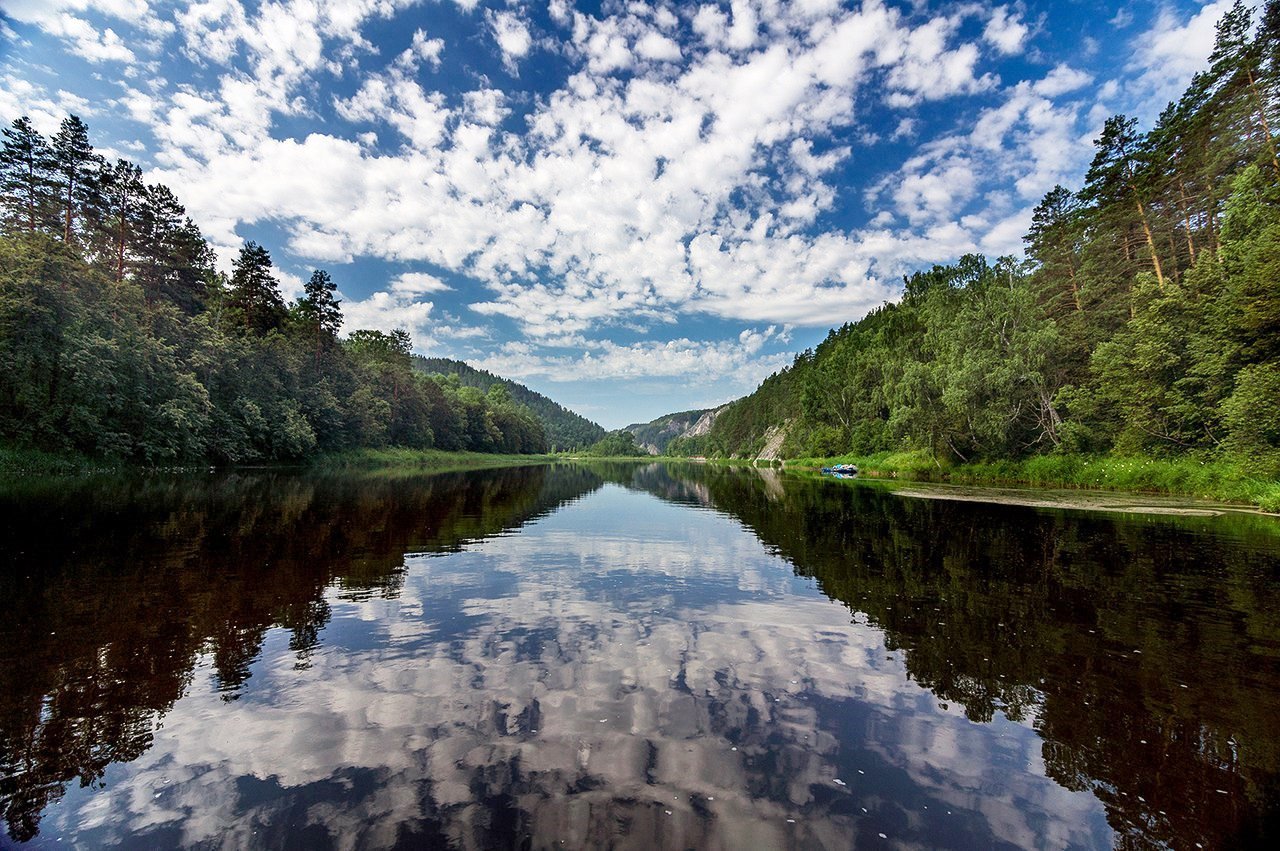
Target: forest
(566, 429)
(1143, 322)
(122, 341)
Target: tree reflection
(112, 591)
(1145, 650)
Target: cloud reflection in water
(624, 671)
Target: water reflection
(531, 657)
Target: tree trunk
(1262, 117)
(31, 197)
(120, 251)
(1049, 418)
(1212, 222)
(1186, 219)
(1075, 286)
(71, 185)
(1151, 242)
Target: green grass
(19, 462)
(16, 463)
(401, 459)
(583, 456)
(1192, 476)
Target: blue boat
(841, 471)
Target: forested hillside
(121, 341)
(1144, 321)
(564, 428)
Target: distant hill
(565, 429)
(655, 435)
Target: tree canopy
(121, 340)
(1145, 318)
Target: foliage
(1200, 475)
(1145, 321)
(122, 344)
(565, 429)
(400, 461)
(616, 444)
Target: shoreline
(21, 464)
(1125, 485)
(1225, 485)
(1077, 499)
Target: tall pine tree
(78, 170)
(27, 181)
(320, 312)
(123, 198)
(254, 297)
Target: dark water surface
(630, 656)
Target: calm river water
(630, 656)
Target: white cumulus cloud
(512, 35)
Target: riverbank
(18, 463)
(1193, 477)
(412, 460)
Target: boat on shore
(842, 471)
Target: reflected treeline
(1145, 650)
(110, 592)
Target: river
(629, 656)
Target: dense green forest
(1144, 321)
(616, 444)
(566, 430)
(120, 340)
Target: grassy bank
(18, 463)
(21, 463)
(1191, 476)
(434, 460)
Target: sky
(633, 207)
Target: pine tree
(1267, 46)
(254, 297)
(27, 183)
(78, 169)
(320, 311)
(173, 260)
(1052, 244)
(123, 199)
(1236, 63)
(1115, 179)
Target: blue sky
(634, 207)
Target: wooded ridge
(566, 429)
(1145, 319)
(120, 340)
